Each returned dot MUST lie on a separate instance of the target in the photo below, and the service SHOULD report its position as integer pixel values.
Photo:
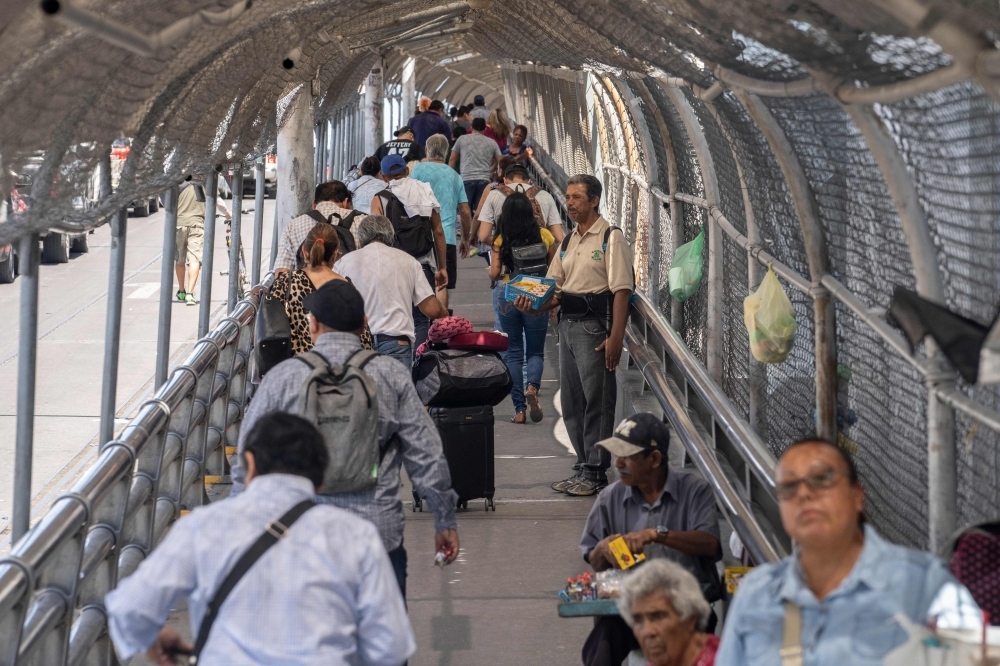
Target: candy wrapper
(442, 557)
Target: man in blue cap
(415, 214)
(479, 108)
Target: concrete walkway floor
(497, 603)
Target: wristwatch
(662, 531)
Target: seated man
(328, 564)
(657, 511)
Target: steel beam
(807, 211)
(258, 220)
(715, 261)
(235, 241)
(942, 472)
(27, 257)
(113, 325)
(208, 254)
(166, 284)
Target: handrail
(737, 512)
(950, 396)
(53, 583)
(751, 447)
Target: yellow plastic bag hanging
(770, 320)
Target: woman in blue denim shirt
(844, 580)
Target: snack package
(625, 558)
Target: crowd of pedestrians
(316, 492)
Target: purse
(272, 331)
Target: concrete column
(295, 160)
(409, 91)
(373, 108)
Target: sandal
(519, 417)
(534, 407)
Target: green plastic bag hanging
(770, 320)
(686, 269)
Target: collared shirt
(406, 436)
(449, 191)
(325, 594)
(298, 228)
(585, 269)
(686, 503)
(391, 282)
(854, 623)
(364, 189)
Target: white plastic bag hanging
(770, 321)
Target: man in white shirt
(323, 593)
(391, 283)
(418, 201)
(479, 108)
(516, 179)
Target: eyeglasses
(786, 490)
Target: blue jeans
(526, 341)
(394, 349)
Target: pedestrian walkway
(497, 602)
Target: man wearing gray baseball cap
(658, 511)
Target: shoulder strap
(272, 533)
(313, 360)
(360, 358)
(318, 216)
(791, 644)
(564, 245)
(348, 222)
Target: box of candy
(537, 289)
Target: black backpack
(414, 235)
(343, 227)
(530, 260)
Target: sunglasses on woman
(823, 480)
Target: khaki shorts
(190, 242)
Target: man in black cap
(658, 512)
(406, 433)
(403, 145)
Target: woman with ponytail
(317, 255)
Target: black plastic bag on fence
(959, 338)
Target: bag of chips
(686, 269)
(770, 320)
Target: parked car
(270, 177)
(119, 153)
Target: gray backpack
(342, 401)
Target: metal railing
(728, 453)
(52, 585)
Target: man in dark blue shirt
(429, 123)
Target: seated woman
(316, 258)
(526, 332)
(845, 585)
(663, 604)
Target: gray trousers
(588, 395)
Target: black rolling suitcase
(467, 436)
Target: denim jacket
(854, 624)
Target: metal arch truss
(611, 118)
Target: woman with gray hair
(663, 604)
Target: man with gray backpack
(372, 421)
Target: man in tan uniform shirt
(594, 281)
